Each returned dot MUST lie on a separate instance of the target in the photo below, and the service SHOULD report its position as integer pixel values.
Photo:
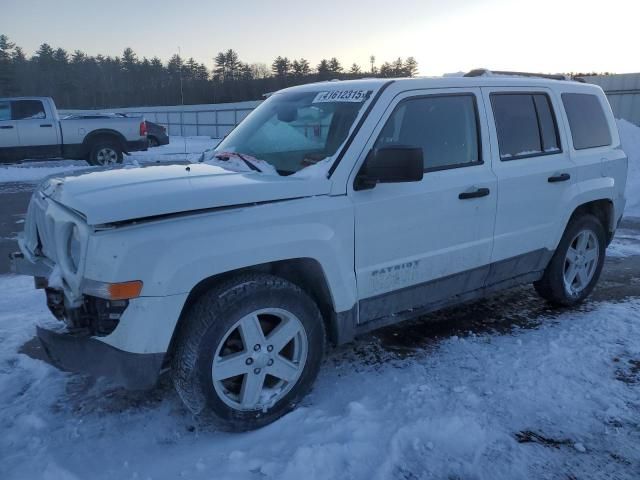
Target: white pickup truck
(333, 209)
(30, 128)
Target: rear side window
(5, 111)
(27, 110)
(445, 126)
(587, 121)
(526, 125)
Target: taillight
(143, 128)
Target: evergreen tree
(334, 66)
(410, 67)
(324, 72)
(281, 67)
(78, 80)
(7, 70)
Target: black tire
(206, 326)
(97, 157)
(153, 142)
(552, 286)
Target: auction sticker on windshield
(342, 96)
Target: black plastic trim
(471, 284)
(358, 127)
(82, 354)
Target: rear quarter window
(587, 121)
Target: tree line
(78, 80)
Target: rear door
(535, 177)
(37, 131)
(421, 243)
(9, 140)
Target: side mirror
(393, 164)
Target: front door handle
(46, 125)
(563, 177)
(480, 192)
(6, 127)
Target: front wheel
(248, 351)
(577, 263)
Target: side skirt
(394, 307)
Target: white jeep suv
(333, 209)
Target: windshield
(294, 130)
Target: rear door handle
(6, 127)
(563, 177)
(480, 192)
(46, 125)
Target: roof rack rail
(479, 72)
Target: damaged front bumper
(82, 354)
(76, 347)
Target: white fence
(623, 92)
(212, 120)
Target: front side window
(525, 124)
(587, 121)
(27, 110)
(5, 111)
(293, 130)
(445, 127)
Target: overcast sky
(443, 35)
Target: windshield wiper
(251, 165)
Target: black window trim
(474, 96)
(604, 113)
(535, 108)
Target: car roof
(490, 80)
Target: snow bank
(630, 139)
(469, 407)
(36, 171)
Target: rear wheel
(152, 142)
(105, 153)
(248, 352)
(576, 265)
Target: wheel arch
(602, 209)
(101, 134)
(306, 273)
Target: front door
(421, 243)
(9, 140)
(38, 133)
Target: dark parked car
(156, 134)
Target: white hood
(129, 194)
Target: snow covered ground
(556, 396)
(558, 399)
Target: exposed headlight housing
(74, 248)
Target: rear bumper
(136, 145)
(82, 354)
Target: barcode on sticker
(342, 96)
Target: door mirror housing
(392, 164)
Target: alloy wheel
(581, 262)
(107, 156)
(260, 359)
